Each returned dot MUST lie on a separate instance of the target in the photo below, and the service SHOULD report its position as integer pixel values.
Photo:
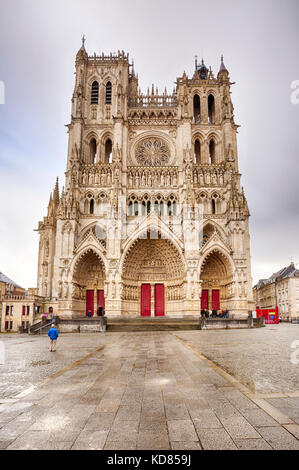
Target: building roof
(6, 280)
(284, 273)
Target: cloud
(39, 41)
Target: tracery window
(152, 152)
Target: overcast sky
(38, 43)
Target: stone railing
(27, 298)
(112, 57)
(154, 100)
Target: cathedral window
(212, 152)
(213, 206)
(143, 208)
(94, 93)
(93, 150)
(197, 152)
(136, 208)
(196, 108)
(108, 93)
(130, 209)
(211, 109)
(174, 208)
(108, 151)
(91, 206)
(156, 207)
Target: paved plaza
(156, 390)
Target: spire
(82, 54)
(223, 69)
(50, 200)
(56, 193)
(83, 43)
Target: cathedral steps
(152, 324)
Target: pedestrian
(53, 335)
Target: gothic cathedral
(152, 220)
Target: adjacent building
(281, 290)
(10, 291)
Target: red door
(159, 300)
(89, 302)
(101, 302)
(215, 300)
(146, 300)
(205, 300)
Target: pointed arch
(87, 250)
(142, 233)
(220, 251)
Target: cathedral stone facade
(152, 220)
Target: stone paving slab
(252, 444)
(142, 391)
(216, 439)
(279, 438)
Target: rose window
(152, 152)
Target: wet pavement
(140, 391)
(259, 358)
(27, 359)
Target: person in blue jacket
(53, 335)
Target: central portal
(153, 278)
(146, 300)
